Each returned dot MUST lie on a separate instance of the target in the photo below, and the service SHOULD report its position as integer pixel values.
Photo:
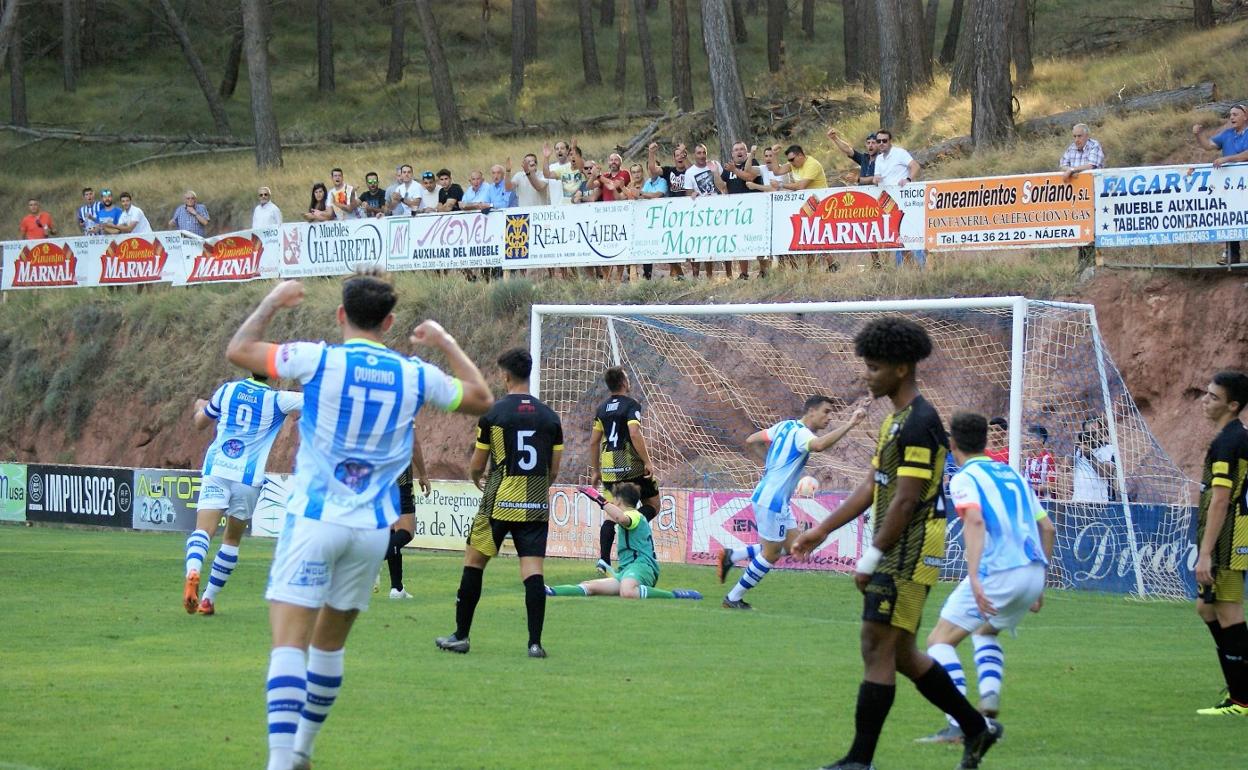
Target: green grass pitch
(102, 669)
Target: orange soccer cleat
(190, 593)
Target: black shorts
(487, 535)
(407, 502)
(894, 601)
(649, 487)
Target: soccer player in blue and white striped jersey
(248, 414)
(790, 443)
(355, 439)
(1008, 541)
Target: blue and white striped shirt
(786, 458)
(249, 415)
(1010, 509)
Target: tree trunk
(90, 43)
(918, 69)
(589, 48)
(992, 119)
(9, 29)
(929, 29)
(726, 92)
(215, 106)
(894, 108)
(440, 76)
(17, 69)
(517, 49)
(652, 6)
(740, 30)
(950, 47)
(621, 47)
(849, 40)
(751, 7)
(71, 52)
(808, 19)
(233, 59)
(775, 35)
(1203, 10)
(649, 77)
(256, 45)
(963, 72)
(398, 41)
(530, 24)
(867, 31)
(682, 78)
(1020, 40)
(324, 48)
(606, 13)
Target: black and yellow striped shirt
(618, 458)
(1226, 465)
(522, 435)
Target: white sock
(286, 691)
(196, 551)
(755, 571)
(324, 681)
(989, 664)
(947, 657)
(222, 567)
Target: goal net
(707, 376)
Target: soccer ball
(807, 486)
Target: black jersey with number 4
(1226, 465)
(522, 435)
(618, 456)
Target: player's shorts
(319, 563)
(644, 574)
(894, 601)
(1228, 586)
(1011, 591)
(773, 526)
(648, 484)
(407, 500)
(487, 535)
(237, 499)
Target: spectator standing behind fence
(1038, 463)
(1232, 142)
(1083, 154)
(865, 160)
(478, 196)
(37, 223)
(266, 213)
(405, 196)
(615, 180)
(501, 195)
(373, 199)
(86, 212)
(449, 193)
(895, 167)
(108, 213)
(191, 216)
(318, 210)
(674, 178)
(808, 173)
(568, 168)
(342, 198)
(531, 188)
(1094, 465)
(132, 220)
(736, 177)
(428, 193)
(703, 178)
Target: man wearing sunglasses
(894, 167)
(373, 200)
(266, 213)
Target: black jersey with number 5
(618, 457)
(522, 435)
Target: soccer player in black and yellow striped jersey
(522, 441)
(898, 569)
(1222, 538)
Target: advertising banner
(241, 256)
(847, 219)
(75, 494)
(95, 260)
(584, 234)
(165, 500)
(12, 492)
(1024, 211)
(332, 248)
(50, 263)
(1171, 204)
(441, 241)
(718, 520)
(709, 227)
(1095, 553)
(444, 516)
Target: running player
(1222, 530)
(896, 572)
(522, 439)
(622, 455)
(355, 439)
(249, 414)
(791, 443)
(1009, 541)
(639, 566)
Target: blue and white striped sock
(989, 663)
(946, 656)
(286, 691)
(744, 554)
(324, 680)
(223, 565)
(755, 571)
(196, 551)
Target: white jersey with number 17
(249, 415)
(355, 435)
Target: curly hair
(893, 340)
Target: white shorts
(1012, 592)
(774, 526)
(237, 499)
(318, 563)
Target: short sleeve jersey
(786, 457)
(701, 179)
(521, 435)
(249, 416)
(618, 458)
(1226, 465)
(913, 443)
(635, 542)
(1010, 510)
(355, 435)
(675, 181)
(811, 170)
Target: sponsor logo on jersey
(233, 448)
(311, 574)
(133, 260)
(354, 474)
(232, 258)
(45, 264)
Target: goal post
(708, 375)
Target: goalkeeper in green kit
(639, 568)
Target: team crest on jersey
(233, 448)
(354, 474)
(311, 574)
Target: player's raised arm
(759, 437)
(829, 440)
(477, 398)
(246, 349)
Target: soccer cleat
(603, 566)
(190, 593)
(950, 734)
(725, 564)
(1227, 708)
(302, 761)
(452, 643)
(549, 591)
(974, 749)
(686, 593)
(206, 607)
(845, 764)
(536, 651)
(399, 593)
(990, 704)
(737, 604)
